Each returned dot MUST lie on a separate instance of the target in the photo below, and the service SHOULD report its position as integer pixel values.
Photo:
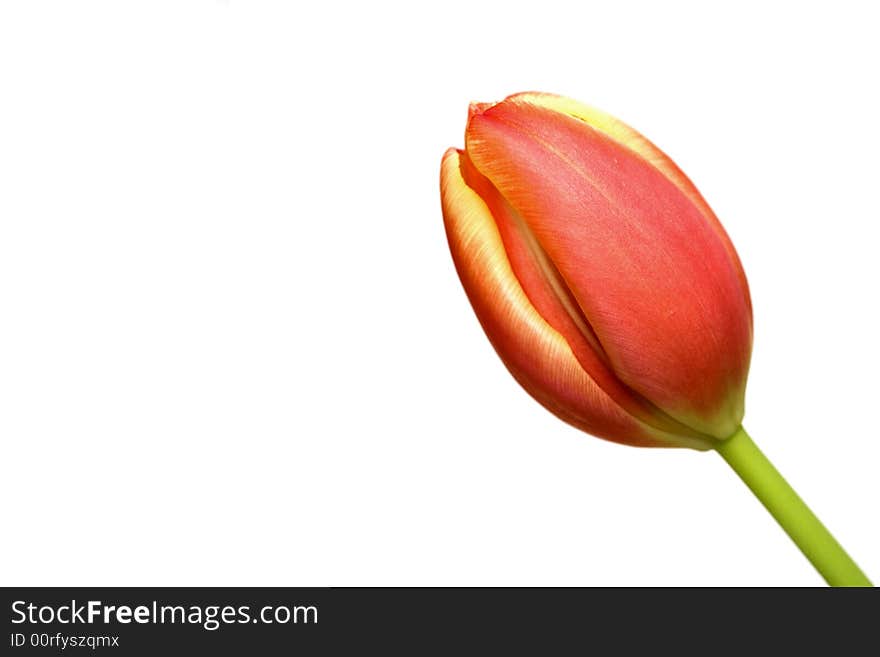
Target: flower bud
(602, 278)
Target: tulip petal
(537, 355)
(652, 275)
(635, 141)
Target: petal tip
(478, 109)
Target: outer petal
(650, 271)
(535, 353)
(635, 141)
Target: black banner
(316, 621)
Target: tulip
(609, 288)
(602, 278)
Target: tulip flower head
(600, 275)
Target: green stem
(789, 510)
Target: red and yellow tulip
(611, 291)
(602, 278)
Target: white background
(234, 350)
